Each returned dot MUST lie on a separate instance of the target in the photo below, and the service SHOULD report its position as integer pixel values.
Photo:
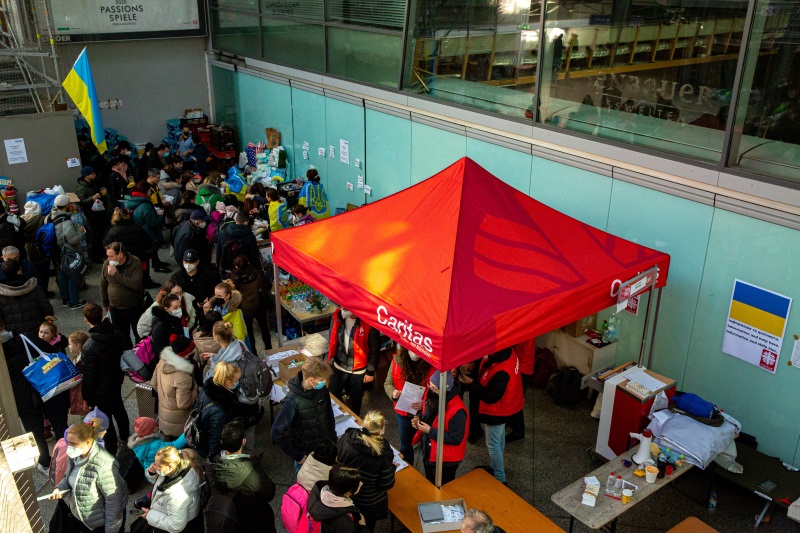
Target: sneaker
(48, 433)
(45, 471)
(78, 305)
(65, 303)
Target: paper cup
(627, 494)
(650, 474)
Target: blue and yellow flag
(79, 85)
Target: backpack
(294, 511)
(130, 469)
(134, 367)
(220, 514)
(566, 388)
(145, 354)
(544, 367)
(230, 250)
(46, 241)
(193, 431)
(73, 264)
(256, 380)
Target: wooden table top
(304, 317)
(410, 489)
(508, 511)
(692, 525)
(607, 509)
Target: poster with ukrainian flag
(756, 325)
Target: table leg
(571, 523)
(763, 512)
(613, 526)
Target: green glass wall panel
(294, 43)
(344, 121)
(578, 193)
(388, 154)
(236, 32)
(766, 255)
(264, 104)
(509, 165)
(226, 111)
(369, 57)
(680, 228)
(433, 150)
(242, 5)
(308, 117)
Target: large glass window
(365, 56)
(767, 134)
(294, 43)
(477, 53)
(653, 74)
(244, 5)
(234, 32)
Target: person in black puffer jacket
(252, 283)
(241, 234)
(218, 405)
(187, 207)
(135, 239)
(23, 304)
(168, 319)
(102, 377)
(366, 449)
(330, 502)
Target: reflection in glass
(236, 32)
(223, 82)
(480, 54)
(294, 43)
(767, 133)
(368, 57)
(646, 73)
(245, 5)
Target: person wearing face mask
(23, 305)
(406, 367)
(218, 405)
(306, 416)
(169, 318)
(174, 381)
(175, 499)
(122, 290)
(158, 157)
(135, 239)
(91, 195)
(195, 278)
(186, 144)
(199, 156)
(365, 448)
(454, 433)
(190, 235)
(12, 231)
(102, 377)
(353, 351)
(227, 301)
(117, 180)
(234, 240)
(145, 325)
(93, 489)
(146, 217)
(331, 502)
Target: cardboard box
(444, 526)
(577, 328)
(286, 370)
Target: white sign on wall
(15, 151)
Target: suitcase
(146, 402)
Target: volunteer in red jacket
(500, 387)
(406, 367)
(526, 354)
(353, 353)
(454, 436)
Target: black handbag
(147, 300)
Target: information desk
(608, 509)
(508, 511)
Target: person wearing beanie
(94, 202)
(12, 231)
(67, 234)
(191, 235)
(453, 435)
(147, 440)
(174, 381)
(33, 221)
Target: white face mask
(190, 267)
(413, 356)
(202, 225)
(6, 336)
(113, 263)
(346, 314)
(73, 452)
(176, 313)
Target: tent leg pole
(653, 333)
(278, 317)
(647, 321)
(440, 432)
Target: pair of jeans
(448, 471)
(115, 408)
(354, 384)
(496, 444)
(55, 410)
(124, 321)
(406, 437)
(67, 288)
(261, 318)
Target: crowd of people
(195, 343)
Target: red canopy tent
(462, 265)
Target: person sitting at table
(306, 416)
(330, 502)
(406, 367)
(353, 352)
(366, 449)
(455, 429)
(477, 521)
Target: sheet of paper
(331, 152)
(360, 182)
(646, 380)
(305, 146)
(344, 151)
(73, 162)
(358, 163)
(305, 154)
(277, 394)
(411, 394)
(15, 151)
(796, 354)
(346, 424)
(399, 462)
(367, 190)
(321, 152)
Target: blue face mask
(234, 388)
(319, 385)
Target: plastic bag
(56, 190)
(98, 205)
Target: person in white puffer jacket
(175, 499)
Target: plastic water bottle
(712, 501)
(618, 487)
(610, 482)
(611, 332)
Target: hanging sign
(634, 287)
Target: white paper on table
(399, 462)
(277, 394)
(346, 424)
(411, 394)
(646, 380)
(660, 402)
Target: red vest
(513, 400)
(526, 352)
(399, 381)
(359, 342)
(451, 453)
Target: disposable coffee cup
(651, 474)
(627, 494)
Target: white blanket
(699, 443)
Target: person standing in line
(122, 290)
(406, 367)
(175, 499)
(23, 305)
(252, 284)
(102, 377)
(146, 216)
(135, 239)
(218, 405)
(34, 220)
(330, 502)
(174, 382)
(196, 279)
(353, 352)
(95, 205)
(66, 235)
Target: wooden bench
(692, 525)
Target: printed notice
(344, 151)
(15, 151)
(411, 394)
(756, 325)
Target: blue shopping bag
(43, 199)
(49, 374)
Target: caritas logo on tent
(405, 329)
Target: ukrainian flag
(759, 308)
(79, 84)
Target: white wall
(155, 79)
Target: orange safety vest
(359, 342)
(513, 400)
